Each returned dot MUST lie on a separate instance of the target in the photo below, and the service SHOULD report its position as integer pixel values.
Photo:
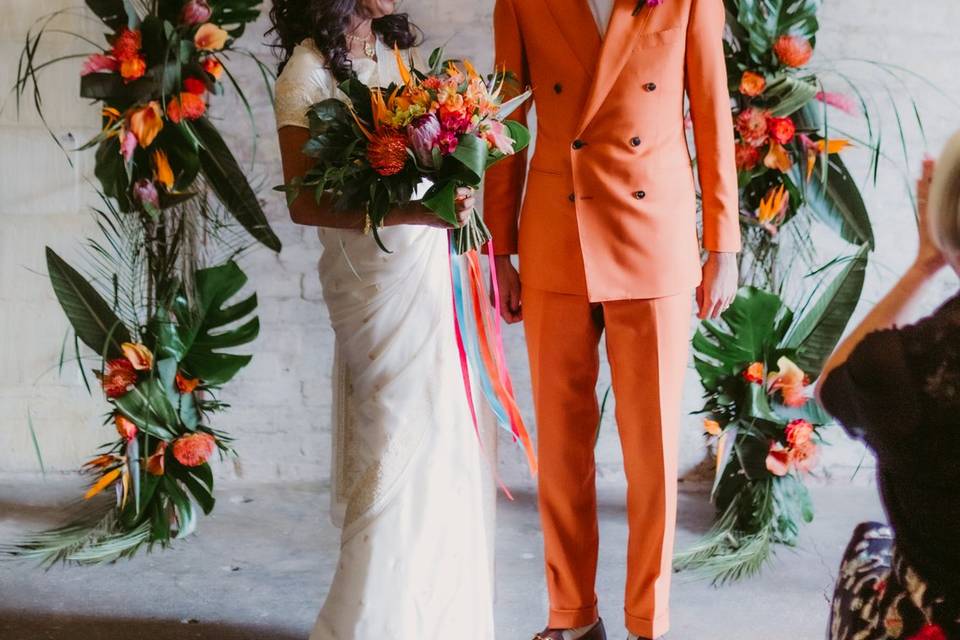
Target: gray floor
(259, 567)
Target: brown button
(650, 86)
(578, 144)
(635, 141)
(572, 198)
(558, 88)
(640, 195)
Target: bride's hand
(418, 214)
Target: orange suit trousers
(647, 348)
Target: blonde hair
(945, 200)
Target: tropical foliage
(156, 307)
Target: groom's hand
(508, 281)
(718, 288)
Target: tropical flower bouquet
(443, 128)
(154, 322)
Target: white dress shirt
(601, 12)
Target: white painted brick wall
(280, 414)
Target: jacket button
(578, 144)
(557, 88)
(572, 197)
(650, 86)
(635, 141)
(640, 195)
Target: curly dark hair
(326, 22)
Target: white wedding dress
(411, 490)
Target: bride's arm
(307, 211)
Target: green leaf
(203, 327)
(92, 319)
(113, 13)
(789, 94)
(229, 182)
(441, 199)
(472, 153)
(816, 333)
(751, 328)
(148, 405)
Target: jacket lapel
(579, 29)
(623, 29)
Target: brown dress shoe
(596, 633)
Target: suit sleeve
(505, 180)
(713, 126)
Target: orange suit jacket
(610, 205)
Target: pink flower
(423, 134)
(838, 101)
(447, 141)
(145, 192)
(799, 432)
(195, 12)
(930, 631)
(804, 457)
(753, 126)
(778, 459)
(99, 62)
(498, 137)
(128, 145)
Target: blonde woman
(895, 383)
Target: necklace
(369, 43)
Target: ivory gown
(410, 488)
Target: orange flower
(186, 385)
(138, 355)
(162, 172)
(213, 66)
(752, 126)
(125, 427)
(752, 84)
(188, 106)
(793, 51)
(712, 427)
(105, 481)
(195, 86)
(799, 432)
(790, 381)
(747, 157)
(782, 130)
(778, 459)
(194, 449)
(754, 373)
(821, 147)
(127, 44)
(210, 37)
(133, 69)
(119, 377)
(387, 152)
(772, 206)
(778, 158)
(103, 461)
(155, 463)
(146, 123)
(804, 457)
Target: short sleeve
(873, 394)
(304, 81)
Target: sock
(579, 632)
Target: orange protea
(125, 427)
(778, 158)
(712, 427)
(747, 156)
(752, 84)
(213, 66)
(185, 384)
(155, 463)
(188, 106)
(754, 373)
(791, 381)
(210, 37)
(138, 355)
(752, 126)
(127, 44)
(119, 377)
(194, 449)
(793, 51)
(146, 123)
(162, 171)
(387, 152)
(133, 68)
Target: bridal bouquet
(443, 128)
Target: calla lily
(146, 123)
(125, 427)
(162, 171)
(210, 37)
(791, 381)
(778, 158)
(155, 463)
(754, 373)
(138, 355)
(712, 427)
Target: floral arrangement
(445, 127)
(157, 320)
(764, 427)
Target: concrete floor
(259, 567)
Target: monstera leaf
(115, 13)
(229, 182)
(750, 329)
(203, 326)
(789, 94)
(92, 319)
(816, 333)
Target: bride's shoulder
(307, 65)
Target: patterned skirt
(879, 596)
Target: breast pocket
(658, 38)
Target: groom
(607, 239)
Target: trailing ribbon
(480, 343)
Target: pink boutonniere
(646, 3)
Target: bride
(410, 489)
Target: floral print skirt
(879, 596)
